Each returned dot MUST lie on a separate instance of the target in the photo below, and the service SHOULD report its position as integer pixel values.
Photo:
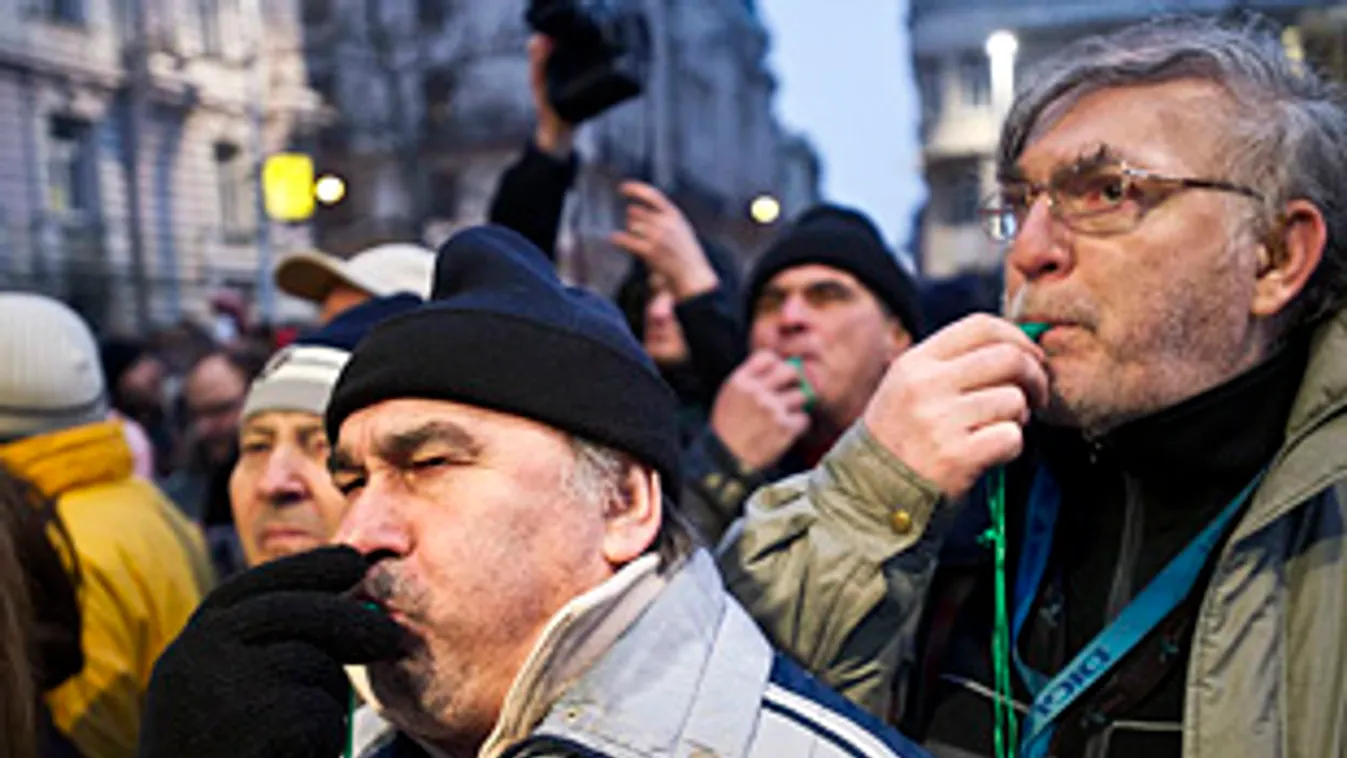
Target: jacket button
(901, 521)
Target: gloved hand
(257, 671)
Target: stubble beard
(416, 695)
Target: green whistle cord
(1005, 735)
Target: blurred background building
(431, 103)
(130, 132)
(967, 55)
(133, 132)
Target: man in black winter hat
(509, 569)
(829, 307)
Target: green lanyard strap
(1006, 730)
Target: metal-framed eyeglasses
(1097, 199)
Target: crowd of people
(794, 510)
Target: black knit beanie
(502, 332)
(844, 239)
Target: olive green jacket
(835, 564)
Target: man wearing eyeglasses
(1173, 445)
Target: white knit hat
(50, 375)
(380, 271)
(298, 378)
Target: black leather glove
(257, 671)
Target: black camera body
(601, 54)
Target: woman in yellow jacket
(143, 566)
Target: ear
(1289, 257)
(630, 528)
(899, 338)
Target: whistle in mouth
(1034, 329)
(808, 389)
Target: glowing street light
(329, 189)
(765, 209)
(1002, 46)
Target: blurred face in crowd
(840, 331)
(283, 498)
(663, 336)
(214, 392)
(1144, 318)
(141, 389)
(488, 535)
(342, 298)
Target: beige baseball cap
(381, 270)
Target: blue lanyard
(1148, 609)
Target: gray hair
(1286, 137)
(600, 476)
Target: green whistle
(1034, 329)
(808, 389)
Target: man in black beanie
(508, 569)
(829, 307)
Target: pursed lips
(275, 532)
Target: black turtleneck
(1178, 468)
(1131, 501)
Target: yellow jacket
(143, 569)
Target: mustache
(392, 592)
(1028, 304)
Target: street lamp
(1002, 46)
(329, 189)
(764, 209)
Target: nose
(280, 483)
(794, 316)
(660, 308)
(1042, 248)
(375, 522)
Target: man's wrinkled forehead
(1172, 126)
(369, 431)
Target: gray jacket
(835, 565)
(693, 676)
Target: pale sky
(845, 75)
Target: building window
(963, 199)
(65, 11)
(975, 84)
(444, 195)
(437, 92)
(208, 15)
(431, 14)
(234, 187)
(929, 88)
(70, 166)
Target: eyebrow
(1102, 154)
(826, 281)
(1087, 158)
(268, 428)
(398, 447)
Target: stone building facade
(130, 133)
